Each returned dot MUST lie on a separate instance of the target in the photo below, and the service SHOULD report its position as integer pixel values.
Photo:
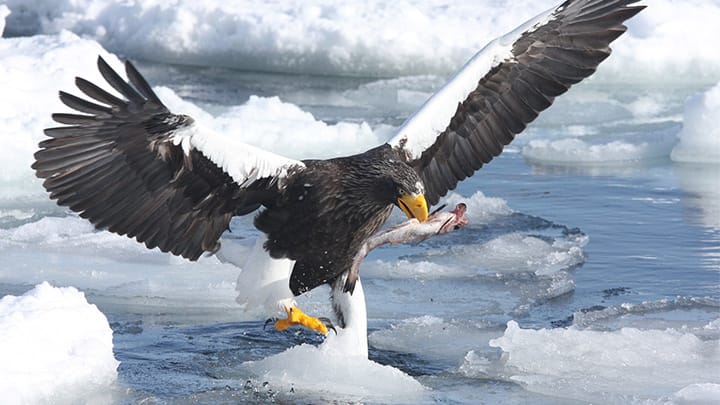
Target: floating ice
(363, 38)
(517, 252)
(667, 42)
(697, 394)
(546, 251)
(339, 365)
(574, 151)
(609, 366)
(660, 314)
(55, 347)
(294, 36)
(480, 209)
(441, 339)
(700, 136)
(646, 106)
(116, 269)
(327, 372)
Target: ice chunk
(607, 366)
(70, 250)
(518, 252)
(574, 151)
(54, 347)
(330, 370)
(363, 38)
(339, 365)
(700, 136)
(697, 394)
(480, 209)
(435, 338)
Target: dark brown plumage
(329, 209)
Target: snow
(55, 347)
(561, 360)
(329, 369)
(700, 136)
(323, 36)
(668, 41)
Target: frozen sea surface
(590, 271)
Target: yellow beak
(414, 206)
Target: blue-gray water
(591, 246)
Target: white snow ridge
(55, 348)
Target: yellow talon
(296, 317)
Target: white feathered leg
(263, 284)
(352, 337)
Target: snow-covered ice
(323, 36)
(652, 361)
(55, 348)
(700, 136)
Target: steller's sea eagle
(129, 165)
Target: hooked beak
(414, 206)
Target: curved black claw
(269, 320)
(328, 323)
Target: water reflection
(701, 195)
(610, 169)
(701, 187)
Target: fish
(438, 223)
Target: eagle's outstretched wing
(131, 166)
(504, 87)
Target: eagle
(129, 165)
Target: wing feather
(504, 87)
(131, 166)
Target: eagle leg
(296, 317)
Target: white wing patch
(422, 128)
(244, 163)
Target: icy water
(578, 279)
